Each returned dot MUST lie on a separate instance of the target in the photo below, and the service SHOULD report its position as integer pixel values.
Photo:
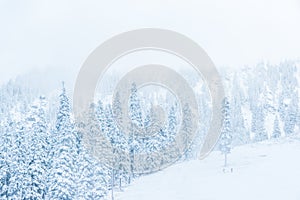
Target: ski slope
(269, 170)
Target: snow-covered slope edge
(268, 170)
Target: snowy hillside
(46, 154)
(268, 170)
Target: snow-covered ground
(269, 170)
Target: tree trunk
(112, 184)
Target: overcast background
(47, 34)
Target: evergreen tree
(92, 177)
(96, 140)
(117, 108)
(120, 160)
(6, 145)
(291, 117)
(136, 126)
(226, 135)
(64, 157)
(19, 162)
(135, 108)
(172, 123)
(239, 131)
(258, 125)
(187, 129)
(38, 147)
(276, 130)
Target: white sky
(57, 33)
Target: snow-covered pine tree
(136, 125)
(92, 178)
(61, 177)
(6, 145)
(148, 123)
(258, 124)
(298, 120)
(172, 123)
(276, 129)
(152, 124)
(38, 147)
(112, 136)
(120, 149)
(122, 161)
(239, 131)
(100, 115)
(97, 141)
(19, 162)
(282, 107)
(226, 135)
(97, 144)
(117, 108)
(291, 117)
(152, 142)
(187, 129)
(135, 107)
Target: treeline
(44, 154)
(83, 160)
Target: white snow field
(264, 171)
